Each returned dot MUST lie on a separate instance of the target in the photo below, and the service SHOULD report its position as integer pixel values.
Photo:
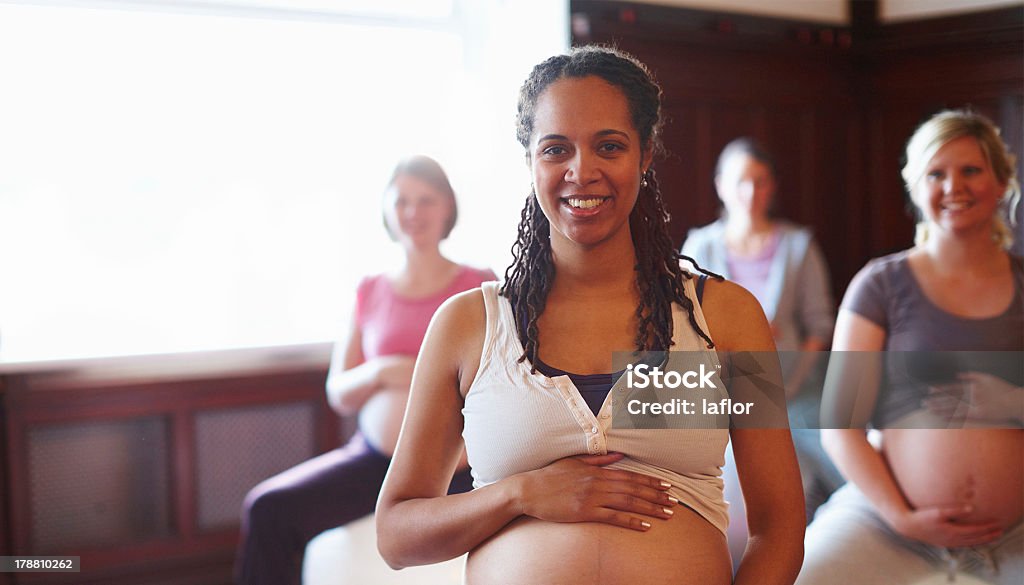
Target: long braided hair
(659, 277)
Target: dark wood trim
(614, 22)
(143, 562)
(864, 15)
(5, 524)
(18, 481)
(183, 456)
(998, 28)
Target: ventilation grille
(97, 484)
(238, 448)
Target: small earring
(643, 182)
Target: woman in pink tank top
(369, 377)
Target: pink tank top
(395, 325)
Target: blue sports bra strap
(701, 280)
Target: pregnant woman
(369, 376)
(523, 372)
(931, 499)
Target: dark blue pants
(282, 514)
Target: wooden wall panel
(5, 524)
(123, 432)
(835, 105)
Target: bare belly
(380, 419)
(980, 467)
(682, 550)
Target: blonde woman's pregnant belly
(682, 550)
(980, 467)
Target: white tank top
(517, 421)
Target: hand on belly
(380, 419)
(963, 485)
(580, 489)
(947, 526)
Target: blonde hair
(945, 127)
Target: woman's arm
(765, 460)
(851, 392)
(817, 314)
(352, 380)
(817, 304)
(418, 524)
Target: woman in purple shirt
(783, 267)
(370, 375)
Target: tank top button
(594, 430)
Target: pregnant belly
(380, 419)
(682, 550)
(983, 468)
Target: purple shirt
(752, 273)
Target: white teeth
(584, 203)
(956, 205)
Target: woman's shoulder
(734, 316)
(885, 267)
(880, 283)
(725, 293)
(477, 275)
(1017, 264)
(462, 318)
(372, 283)
(706, 232)
(469, 277)
(467, 303)
(789, 229)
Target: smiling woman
(942, 493)
(587, 161)
(523, 372)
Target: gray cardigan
(799, 297)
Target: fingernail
(665, 484)
(673, 500)
(667, 511)
(645, 524)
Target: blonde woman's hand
(978, 396)
(947, 526)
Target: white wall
(211, 177)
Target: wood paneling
(98, 400)
(834, 104)
(5, 524)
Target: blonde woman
(930, 498)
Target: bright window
(176, 181)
